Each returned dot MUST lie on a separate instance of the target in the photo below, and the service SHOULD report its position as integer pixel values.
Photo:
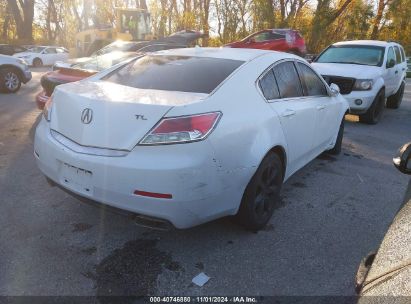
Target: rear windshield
(175, 73)
(353, 54)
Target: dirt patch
(327, 157)
(299, 185)
(89, 251)
(80, 227)
(132, 270)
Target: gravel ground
(335, 210)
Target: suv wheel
(394, 101)
(374, 113)
(262, 194)
(9, 80)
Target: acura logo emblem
(87, 116)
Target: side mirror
(335, 90)
(403, 160)
(391, 63)
(251, 40)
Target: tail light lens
(182, 129)
(47, 109)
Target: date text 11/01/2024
(205, 299)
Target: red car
(284, 40)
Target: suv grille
(344, 83)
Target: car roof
(366, 42)
(224, 53)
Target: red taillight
(152, 194)
(182, 129)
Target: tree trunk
(23, 14)
(377, 20)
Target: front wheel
(10, 80)
(394, 101)
(37, 62)
(262, 194)
(374, 113)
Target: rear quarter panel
(248, 128)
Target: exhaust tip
(152, 223)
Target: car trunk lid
(112, 116)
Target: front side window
(269, 86)
(391, 55)
(50, 51)
(261, 37)
(313, 86)
(353, 54)
(175, 73)
(287, 79)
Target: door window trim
(257, 82)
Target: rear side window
(397, 54)
(287, 79)
(175, 73)
(269, 87)
(402, 54)
(313, 86)
(390, 55)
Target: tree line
(321, 22)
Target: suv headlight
(363, 85)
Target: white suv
(13, 72)
(369, 73)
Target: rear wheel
(338, 143)
(10, 80)
(394, 101)
(262, 194)
(374, 113)
(37, 62)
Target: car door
(328, 109)
(296, 113)
(399, 68)
(50, 56)
(389, 73)
(61, 54)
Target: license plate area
(76, 178)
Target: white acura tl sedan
(190, 135)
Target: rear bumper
(189, 172)
(26, 76)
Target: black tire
(374, 113)
(10, 81)
(338, 143)
(37, 62)
(262, 194)
(394, 101)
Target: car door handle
(322, 107)
(288, 113)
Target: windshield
(115, 46)
(195, 74)
(353, 54)
(103, 62)
(37, 49)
